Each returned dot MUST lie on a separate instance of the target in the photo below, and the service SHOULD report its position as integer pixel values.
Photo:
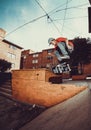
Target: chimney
(2, 34)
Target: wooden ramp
(40, 86)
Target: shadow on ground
(14, 115)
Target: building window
(12, 47)
(11, 56)
(24, 57)
(48, 65)
(34, 61)
(49, 51)
(49, 57)
(13, 65)
(35, 55)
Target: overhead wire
(31, 21)
(71, 30)
(72, 7)
(48, 16)
(71, 18)
(59, 7)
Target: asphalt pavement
(73, 114)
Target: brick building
(9, 51)
(44, 59)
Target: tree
(4, 65)
(80, 55)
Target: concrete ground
(14, 115)
(73, 114)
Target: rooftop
(8, 42)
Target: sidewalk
(73, 114)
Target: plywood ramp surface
(41, 92)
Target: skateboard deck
(61, 68)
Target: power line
(71, 7)
(48, 16)
(67, 9)
(55, 25)
(71, 18)
(34, 21)
(41, 7)
(25, 24)
(71, 30)
(58, 7)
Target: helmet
(50, 39)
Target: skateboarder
(62, 50)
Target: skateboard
(61, 68)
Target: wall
(6, 52)
(10, 52)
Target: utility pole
(90, 1)
(89, 17)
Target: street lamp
(89, 19)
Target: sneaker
(65, 57)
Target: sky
(29, 23)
